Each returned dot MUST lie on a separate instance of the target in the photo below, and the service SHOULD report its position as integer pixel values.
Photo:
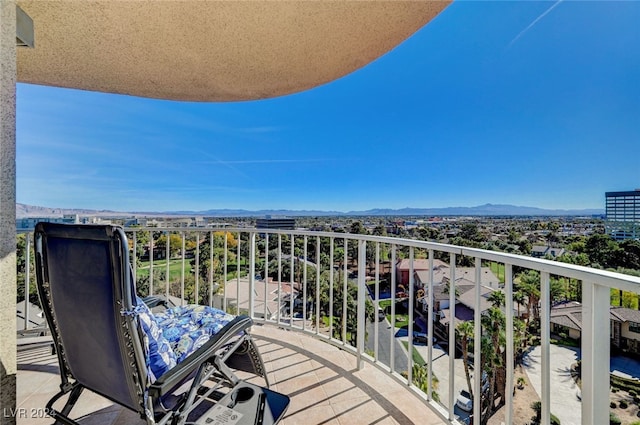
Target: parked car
(464, 401)
(421, 338)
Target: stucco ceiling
(210, 50)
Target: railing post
(376, 332)
(545, 345)
(452, 333)
(318, 266)
(430, 327)
(304, 284)
(252, 271)
(168, 269)
(331, 288)
(27, 281)
(291, 279)
(477, 338)
(183, 268)
(150, 262)
(278, 316)
(211, 269)
(362, 319)
(197, 271)
(266, 275)
(410, 324)
(392, 346)
(345, 290)
(595, 353)
(238, 261)
(508, 285)
(225, 271)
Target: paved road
(441, 370)
(384, 343)
(564, 401)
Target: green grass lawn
(384, 304)
(417, 358)
(401, 319)
(175, 268)
(498, 270)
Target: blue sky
(524, 103)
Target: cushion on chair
(160, 354)
(189, 327)
(172, 335)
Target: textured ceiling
(210, 50)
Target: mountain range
(24, 211)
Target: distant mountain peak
(24, 211)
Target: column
(7, 211)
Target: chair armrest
(177, 374)
(157, 300)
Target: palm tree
(519, 297)
(530, 286)
(494, 323)
(420, 376)
(519, 338)
(496, 298)
(465, 331)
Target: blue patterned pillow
(160, 355)
(188, 327)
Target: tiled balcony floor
(323, 382)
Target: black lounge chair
(97, 324)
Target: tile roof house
(625, 325)
(541, 251)
(465, 307)
(403, 267)
(465, 281)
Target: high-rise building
(623, 214)
(281, 223)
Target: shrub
(632, 392)
(614, 419)
(635, 423)
(625, 384)
(623, 404)
(537, 408)
(612, 405)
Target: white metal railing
(338, 262)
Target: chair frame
(205, 364)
